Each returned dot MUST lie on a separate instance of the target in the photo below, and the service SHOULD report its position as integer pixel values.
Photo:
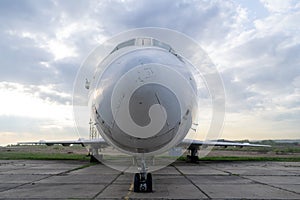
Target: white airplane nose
(142, 98)
(149, 106)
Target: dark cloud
(262, 76)
(22, 57)
(200, 19)
(21, 61)
(28, 15)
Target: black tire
(149, 182)
(136, 183)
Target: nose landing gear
(143, 182)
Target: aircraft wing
(83, 142)
(100, 141)
(222, 143)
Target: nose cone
(142, 105)
(161, 101)
(147, 119)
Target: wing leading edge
(80, 141)
(194, 146)
(222, 143)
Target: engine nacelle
(145, 99)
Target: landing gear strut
(193, 158)
(143, 180)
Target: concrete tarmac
(207, 180)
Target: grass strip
(239, 158)
(41, 156)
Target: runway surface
(206, 180)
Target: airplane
(143, 98)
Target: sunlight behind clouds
(60, 50)
(18, 100)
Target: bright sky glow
(18, 102)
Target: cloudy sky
(254, 44)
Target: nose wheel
(143, 182)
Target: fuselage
(145, 100)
